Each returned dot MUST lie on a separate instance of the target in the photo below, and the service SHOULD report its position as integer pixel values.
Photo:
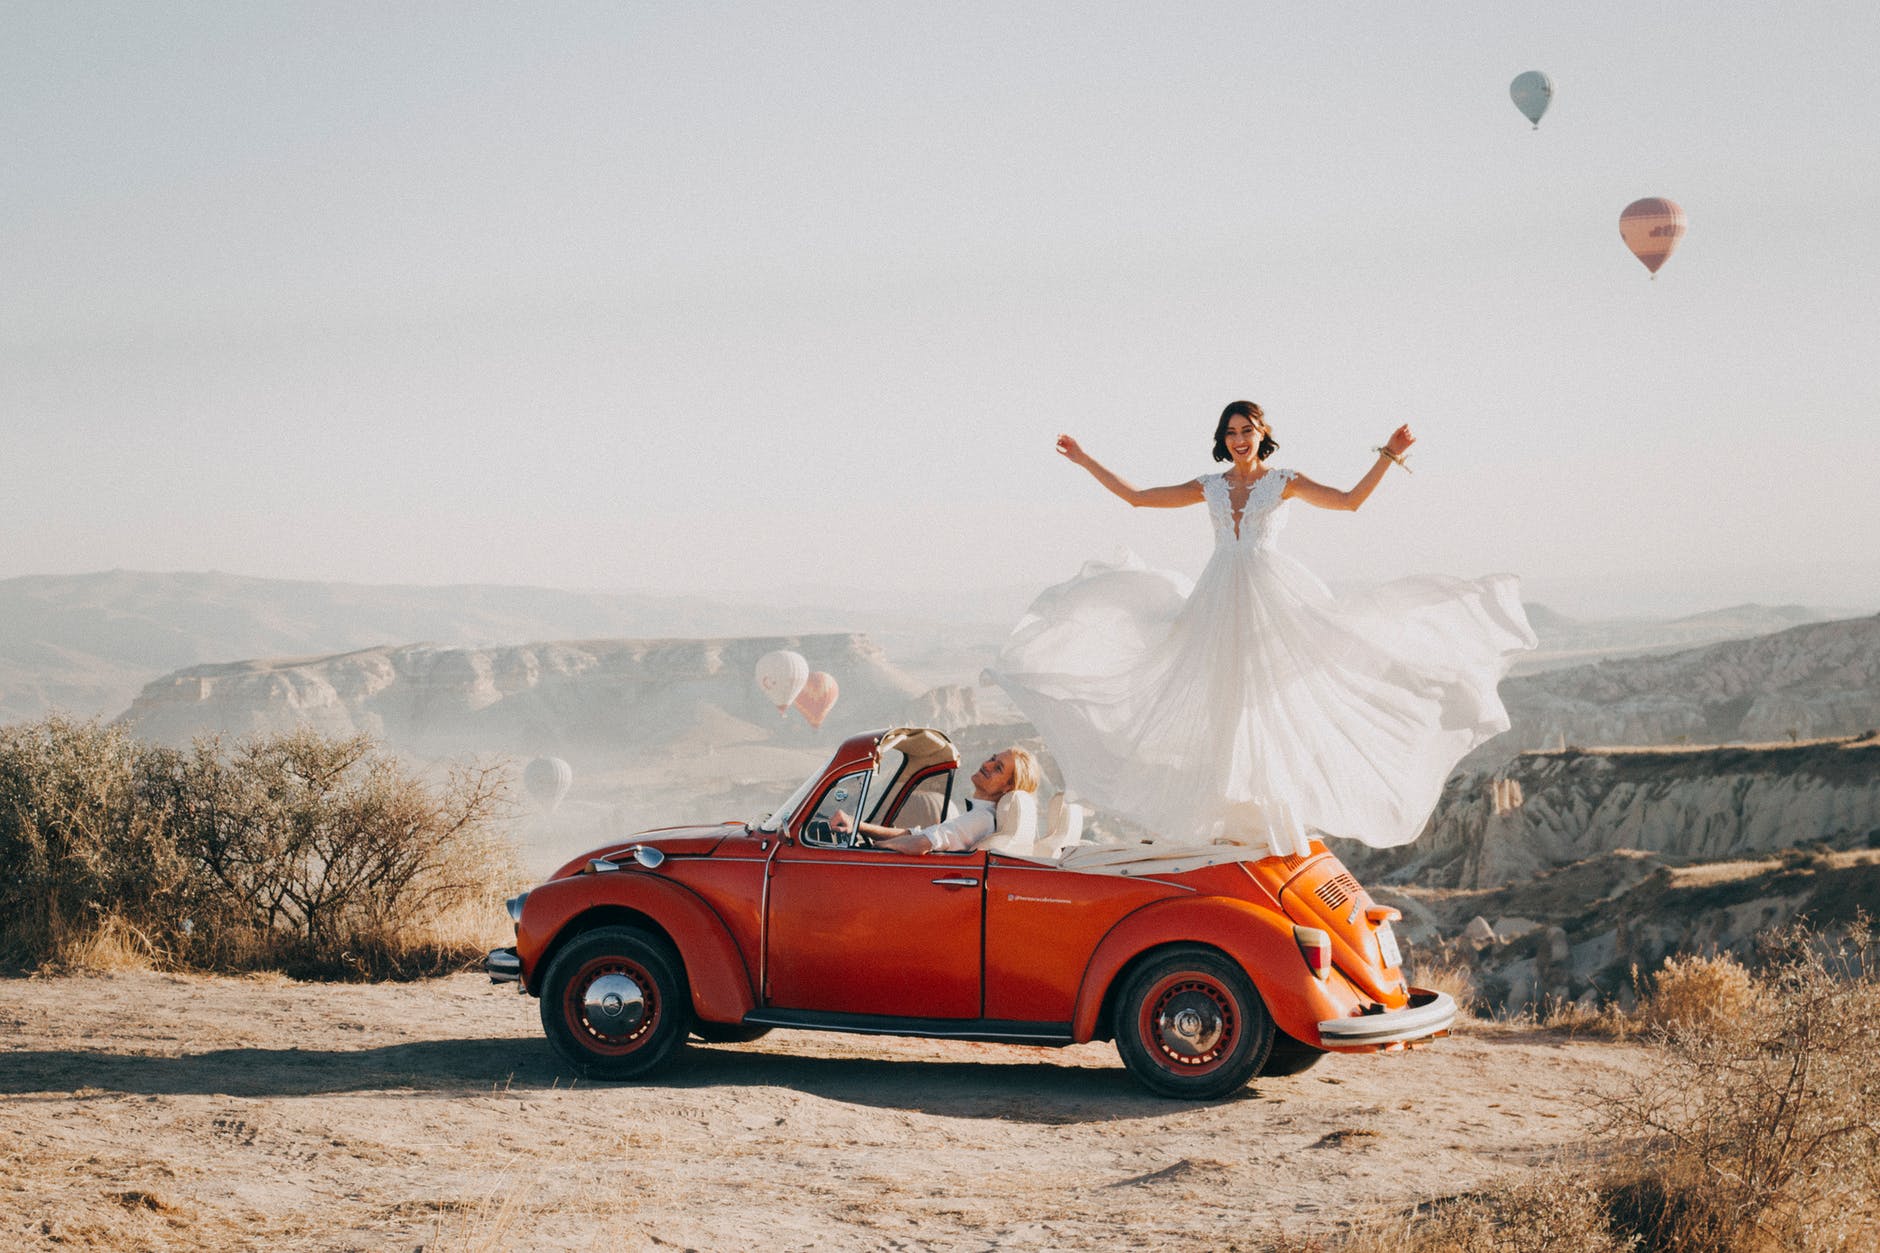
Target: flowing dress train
(1254, 708)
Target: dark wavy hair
(1243, 409)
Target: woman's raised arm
(1173, 496)
(1303, 488)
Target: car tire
(728, 1032)
(615, 1003)
(1190, 1024)
(1290, 1057)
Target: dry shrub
(1446, 973)
(319, 856)
(1696, 994)
(1759, 1131)
(80, 841)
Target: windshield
(776, 818)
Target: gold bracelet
(1394, 457)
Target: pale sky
(707, 298)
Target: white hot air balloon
(780, 676)
(548, 779)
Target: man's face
(994, 776)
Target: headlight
(514, 906)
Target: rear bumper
(1427, 1014)
(503, 965)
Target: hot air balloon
(780, 677)
(547, 779)
(1532, 93)
(817, 698)
(1651, 228)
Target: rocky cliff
(1822, 679)
(1550, 809)
(675, 694)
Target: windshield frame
(780, 816)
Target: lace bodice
(1261, 518)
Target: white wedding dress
(1255, 708)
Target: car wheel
(1290, 1057)
(728, 1032)
(615, 1004)
(1190, 1024)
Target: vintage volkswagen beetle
(1204, 970)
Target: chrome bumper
(1427, 1014)
(503, 965)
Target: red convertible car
(1203, 974)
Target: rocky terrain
(1565, 875)
(1545, 810)
(1808, 681)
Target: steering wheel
(817, 831)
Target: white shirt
(966, 830)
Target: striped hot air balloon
(1652, 228)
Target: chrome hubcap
(614, 1005)
(1190, 1024)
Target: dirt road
(157, 1111)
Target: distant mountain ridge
(88, 643)
(1566, 641)
(572, 698)
(1807, 682)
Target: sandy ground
(156, 1111)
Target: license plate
(1387, 947)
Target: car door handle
(957, 883)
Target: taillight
(1316, 947)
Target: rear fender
(722, 988)
(1258, 939)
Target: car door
(866, 931)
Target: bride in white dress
(1255, 708)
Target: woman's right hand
(1071, 448)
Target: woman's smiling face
(994, 776)
(1243, 438)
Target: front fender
(1260, 940)
(722, 988)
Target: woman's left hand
(1400, 440)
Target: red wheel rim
(1189, 1023)
(588, 999)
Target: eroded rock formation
(528, 699)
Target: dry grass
(1755, 1132)
(490, 1225)
(1696, 994)
(1554, 1210)
(1447, 973)
(1606, 1022)
(1758, 1130)
(110, 946)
